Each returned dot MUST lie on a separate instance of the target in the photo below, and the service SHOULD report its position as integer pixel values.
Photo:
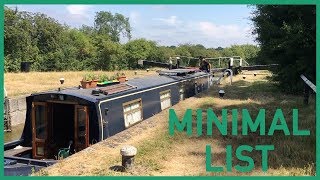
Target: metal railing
(307, 86)
(230, 73)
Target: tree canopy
(51, 46)
(287, 36)
(112, 25)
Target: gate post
(7, 119)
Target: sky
(209, 25)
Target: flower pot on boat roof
(104, 80)
(89, 81)
(122, 78)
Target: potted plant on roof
(121, 78)
(114, 78)
(103, 80)
(89, 80)
(94, 80)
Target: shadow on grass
(243, 90)
(117, 168)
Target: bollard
(61, 80)
(221, 93)
(128, 153)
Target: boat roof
(132, 85)
(179, 72)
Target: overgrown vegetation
(51, 46)
(287, 36)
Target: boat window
(40, 122)
(132, 112)
(81, 129)
(40, 151)
(39, 130)
(165, 99)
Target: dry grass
(160, 154)
(26, 83)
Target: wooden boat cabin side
(76, 118)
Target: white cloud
(78, 9)
(172, 20)
(173, 31)
(221, 31)
(79, 14)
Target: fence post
(6, 118)
(230, 63)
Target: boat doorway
(62, 128)
(57, 126)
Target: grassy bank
(26, 83)
(161, 154)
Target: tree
(136, 50)
(112, 25)
(77, 49)
(287, 36)
(19, 42)
(247, 52)
(160, 53)
(48, 39)
(52, 46)
(182, 50)
(88, 30)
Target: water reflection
(14, 134)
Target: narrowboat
(65, 121)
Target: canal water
(15, 134)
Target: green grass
(293, 154)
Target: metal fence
(308, 85)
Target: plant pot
(86, 84)
(89, 84)
(122, 79)
(94, 83)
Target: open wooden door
(39, 130)
(81, 128)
